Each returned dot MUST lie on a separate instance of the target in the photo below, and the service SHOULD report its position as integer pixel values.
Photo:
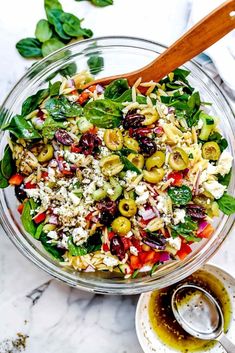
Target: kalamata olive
(147, 145)
(117, 247)
(88, 143)
(133, 121)
(63, 137)
(155, 241)
(108, 210)
(20, 193)
(196, 211)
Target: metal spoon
(200, 315)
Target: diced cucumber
(117, 189)
(84, 125)
(99, 194)
(208, 126)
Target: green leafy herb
(153, 269)
(43, 31)
(127, 97)
(100, 3)
(225, 180)
(128, 165)
(227, 204)
(51, 248)
(38, 231)
(32, 102)
(52, 4)
(68, 70)
(217, 137)
(116, 88)
(50, 126)
(103, 113)
(3, 180)
(61, 108)
(51, 45)
(29, 48)
(135, 273)
(187, 229)
(53, 16)
(95, 64)
(27, 220)
(7, 163)
(92, 244)
(54, 88)
(21, 128)
(180, 195)
(72, 26)
(125, 151)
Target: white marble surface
(56, 318)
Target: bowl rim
(52, 267)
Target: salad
(117, 178)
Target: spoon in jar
(199, 314)
(200, 37)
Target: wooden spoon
(201, 36)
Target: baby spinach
(51, 248)
(128, 165)
(29, 48)
(43, 31)
(72, 26)
(54, 88)
(217, 137)
(50, 126)
(187, 229)
(127, 97)
(7, 163)
(51, 45)
(32, 102)
(116, 88)
(95, 64)
(100, 3)
(180, 195)
(227, 204)
(68, 70)
(61, 108)
(225, 180)
(52, 4)
(103, 113)
(27, 220)
(53, 16)
(38, 231)
(3, 180)
(22, 128)
(92, 244)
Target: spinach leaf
(68, 70)
(53, 16)
(38, 231)
(103, 113)
(43, 31)
(21, 128)
(32, 102)
(26, 219)
(54, 88)
(180, 195)
(225, 180)
(181, 74)
(51, 45)
(194, 118)
(187, 230)
(116, 88)
(128, 165)
(52, 4)
(92, 244)
(95, 64)
(100, 3)
(7, 163)
(127, 97)
(51, 248)
(61, 108)
(227, 204)
(217, 137)
(3, 180)
(29, 48)
(50, 126)
(125, 151)
(72, 26)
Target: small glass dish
(120, 54)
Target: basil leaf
(32, 102)
(61, 108)
(54, 88)
(43, 31)
(51, 45)
(103, 113)
(3, 180)
(180, 195)
(50, 126)
(95, 64)
(128, 165)
(116, 88)
(53, 16)
(7, 163)
(72, 26)
(225, 180)
(227, 204)
(92, 244)
(26, 219)
(29, 48)
(21, 128)
(51, 248)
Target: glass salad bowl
(120, 55)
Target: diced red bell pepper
(16, 179)
(207, 232)
(74, 92)
(143, 90)
(135, 242)
(184, 251)
(67, 172)
(83, 98)
(93, 130)
(105, 247)
(30, 185)
(177, 178)
(40, 218)
(111, 235)
(20, 208)
(92, 88)
(126, 243)
(75, 149)
(135, 262)
(89, 216)
(44, 175)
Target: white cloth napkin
(221, 53)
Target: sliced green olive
(49, 227)
(46, 154)
(178, 159)
(137, 159)
(211, 151)
(151, 116)
(156, 160)
(113, 139)
(131, 143)
(127, 207)
(202, 200)
(154, 176)
(111, 165)
(121, 225)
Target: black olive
(147, 145)
(63, 137)
(133, 121)
(196, 211)
(117, 247)
(20, 193)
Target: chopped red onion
(99, 89)
(201, 226)
(147, 214)
(89, 269)
(53, 219)
(71, 83)
(164, 256)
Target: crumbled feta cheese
(110, 261)
(75, 200)
(215, 188)
(133, 250)
(179, 216)
(140, 189)
(110, 192)
(79, 235)
(52, 234)
(34, 193)
(174, 242)
(129, 234)
(162, 204)
(130, 176)
(141, 200)
(224, 163)
(200, 124)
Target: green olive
(121, 225)
(137, 159)
(151, 116)
(154, 176)
(156, 160)
(49, 227)
(202, 200)
(113, 139)
(131, 143)
(46, 154)
(111, 165)
(211, 151)
(127, 207)
(178, 159)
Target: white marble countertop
(55, 317)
